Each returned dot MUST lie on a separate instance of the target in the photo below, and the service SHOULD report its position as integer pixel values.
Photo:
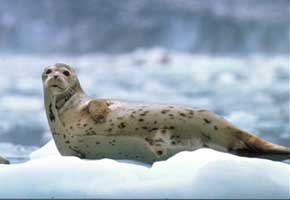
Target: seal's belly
(114, 147)
(146, 134)
(118, 147)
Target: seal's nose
(55, 76)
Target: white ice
(199, 174)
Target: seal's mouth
(55, 86)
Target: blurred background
(229, 56)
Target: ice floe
(203, 173)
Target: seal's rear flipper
(275, 155)
(252, 146)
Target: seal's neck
(59, 101)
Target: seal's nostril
(55, 76)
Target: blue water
(252, 92)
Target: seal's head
(59, 78)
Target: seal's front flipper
(252, 146)
(99, 109)
(4, 161)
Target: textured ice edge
(199, 174)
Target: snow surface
(202, 173)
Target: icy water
(252, 92)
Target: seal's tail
(252, 146)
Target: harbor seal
(102, 128)
(3, 161)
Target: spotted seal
(103, 128)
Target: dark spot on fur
(182, 114)
(165, 111)
(206, 121)
(155, 122)
(205, 137)
(215, 128)
(150, 141)
(136, 129)
(172, 127)
(163, 131)
(51, 115)
(201, 110)
(154, 129)
(85, 125)
(159, 152)
(111, 143)
(110, 129)
(71, 127)
(67, 142)
(119, 118)
(159, 140)
(97, 143)
(91, 133)
(174, 136)
(141, 120)
(122, 125)
(173, 143)
(64, 136)
(191, 112)
(144, 113)
(145, 127)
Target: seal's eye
(66, 73)
(48, 71)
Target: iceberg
(203, 173)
